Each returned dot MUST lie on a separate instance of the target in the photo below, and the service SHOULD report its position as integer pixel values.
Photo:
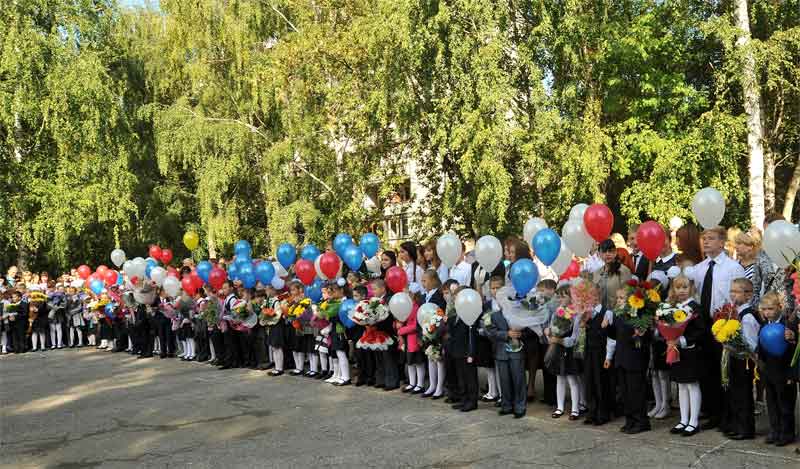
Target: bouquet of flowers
(726, 311)
(209, 312)
(269, 312)
(639, 310)
(10, 312)
(368, 313)
(522, 313)
(243, 318)
(432, 321)
(671, 322)
(329, 310)
(560, 327)
(299, 314)
(728, 332)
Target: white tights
(574, 392)
(494, 388)
(661, 392)
(189, 348)
(690, 399)
(324, 361)
(313, 362)
(56, 335)
(344, 365)
(37, 336)
(277, 356)
(213, 352)
(79, 332)
(299, 360)
(4, 341)
(436, 375)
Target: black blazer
(632, 353)
(642, 269)
(462, 340)
(438, 299)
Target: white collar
(430, 293)
(721, 257)
(685, 303)
(743, 307)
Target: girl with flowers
(298, 314)
(329, 309)
(563, 335)
(277, 329)
(682, 311)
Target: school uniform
(387, 371)
(641, 266)
(461, 345)
(738, 416)
(510, 365)
(19, 328)
(75, 319)
(231, 357)
(596, 379)
(665, 263)
(690, 368)
(632, 357)
(365, 359)
(781, 392)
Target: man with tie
(712, 278)
(641, 266)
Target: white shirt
(750, 328)
(414, 274)
(592, 264)
(725, 271)
(462, 273)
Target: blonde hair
(744, 283)
(751, 238)
(771, 298)
(680, 280)
(619, 241)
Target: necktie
(705, 294)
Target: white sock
(335, 368)
(561, 392)
(35, 341)
(432, 377)
(269, 355)
(695, 401)
(60, 336)
(663, 378)
(53, 342)
(490, 373)
(683, 400)
(80, 336)
(112, 343)
(440, 376)
(574, 393)
(192, 346)
(213, 352)
(301, 361)
(657, 394)
(4, 341)
(277, 355)
(344, 366)
(412, 375)
(313, 360)
(130, 343)
(324, 361)
(183, 349)
(420, 375)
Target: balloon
(126, 267)
(448, 247)
(155, 252)
(468, 306)
(196, 280)
(304, 270)
(243, 258)
(563, 260)
(110, 276)
(118, 257)
(280, 271)
(138, 268)
(166, 256)
(309, 252)
(148, 268)
(191, 240)
(396, 279)
(242, 247)
(340, 243)
(217, 277)
(203, 269)
(369, 244)
(286, 255)
(186, 284)
(650, 238)
(101, 270)
(488, 252)
(781, 242)
(278, 283)
(533, 226)
(353, 257)
(329, 264)
(318, 269)
(248, 279)
(373, 264)
(158, 274)
(572, 271)
(96, 286)
(314, 290)
(400, 305)
(84, 271)
(576, 238)
(172, 272)
(772, 340)
(246, 268)
(120, 279)
(546, 244)
(425, 312)
(598, 221)
(524, 276)
(265, 272)
(708, 207)
(172, 286)
(344, 312)
(233, 271)
(576, 212)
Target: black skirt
(277, 334)
(415, 358)
(562, 362)
(339, 342)
(303, 343)
(689, 369)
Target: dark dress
(562, 361)
(691, 366)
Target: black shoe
(709, 425)
(599, 422)
(784, 442)
(739, 437)
(417, 391)
(505, 412)
(392, 388)
(677, 429)
(342, 383)
(770, 440)
(275, 373)
(457, 406)
(519, 416)
(295, 373)
(214, 362)
(635, 430)
(162, 356)
(407, 389)
(144, 356)
(626, 427)
(690, 430)
(359, 384)
(425, 395)
(469, 408)
(588, 421)
(497, 403)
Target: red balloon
(650, 238)
(196, 280)
(329, 264)
(217, 277)
(134, 280)
(188, 286)
(305, 271)
(572, 271)
(101, 270)
(166, 256)
(155, 252)
(599, 221)
(396, 279)
(110, 276)
(84, 271)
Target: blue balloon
(242, 261)
(286, 255)
(353, 257)
(233, 271)
(340, 243)
(314, 291)
(119, 278)
(246, 269)
(546, 244)
(149, 269)
(203, 269)
(369, 244)
(242, 247)
(309, 252)
(265, 271)
(524, 276)
(96, 286)
(344, 312)
(771, 339)
(248, 278)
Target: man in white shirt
(462, 271)
(712, 279)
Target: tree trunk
(752, 107)
(769, 180)
(212, 246)
(791, 191)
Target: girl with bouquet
(298, 314)
(560, 359)
(339, 346)
(277, 330)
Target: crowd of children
(572, 333)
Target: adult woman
(757, 266)
(388, 260)
(408, 255)
(612, 276)
(689, 250)
(432, 258)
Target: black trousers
(635, 392)
(512, 384)
(711, 382)
(386, 370)
(781, 399)
(454, 390)
(738, 412)
(468, 380)
(366, 366)
(258, 345)
(597, 385)
(120, 328)
(549, 379)
(18, 338)
(166, 337)
(232, 357)
(216, 339)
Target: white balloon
(675, 223)
(488, 252)
(400, 305)
(158, 274)
(127, 267)
(278, 283)
(468, 306)
(319, 271)
(532, 227)
(576, 238)
(448, 248)
(708, 207)
(781, 242)
(374, 264)
(172, 286)
(279, 270)
(139, 267)
(118, 257)
(576, 213)
(563, 260)
(426, 312)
